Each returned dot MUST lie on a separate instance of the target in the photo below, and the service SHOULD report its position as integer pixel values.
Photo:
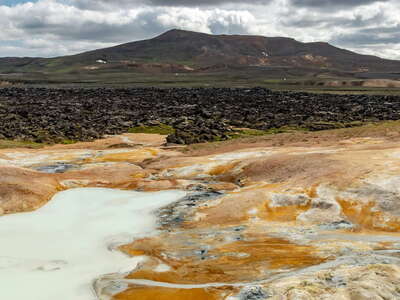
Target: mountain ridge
(188, 51)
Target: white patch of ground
(316, 151)
(27, 159)
(240, 155)
(58, 251)
(126, 140)
(395, 155)
(201, 170)
(162, 268)
(252, 211)
(4, 162)
(387, 183)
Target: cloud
(71, 23)
(370, 36)
(101, 4)
(60, 27)
(328, 4)
(214, 21)
(321, 21)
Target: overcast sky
(59, 27)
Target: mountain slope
(186, 51)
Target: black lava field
(47, 114)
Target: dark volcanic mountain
(178, 50)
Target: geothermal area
(263, 203)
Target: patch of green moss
(159, 129)
(5, 144)
(256, 132)
(324, 125)
(355, 124)
(252, 132)
(68, 142)
(315, 126)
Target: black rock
(198, 114)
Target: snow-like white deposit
(202, 169)
(240, 155)
(57, 251)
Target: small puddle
(55, 168)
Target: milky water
(57, 251)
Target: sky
(49, 28)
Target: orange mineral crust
(292, 219)
(239, 261)
(160, 293)
(369, 217)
